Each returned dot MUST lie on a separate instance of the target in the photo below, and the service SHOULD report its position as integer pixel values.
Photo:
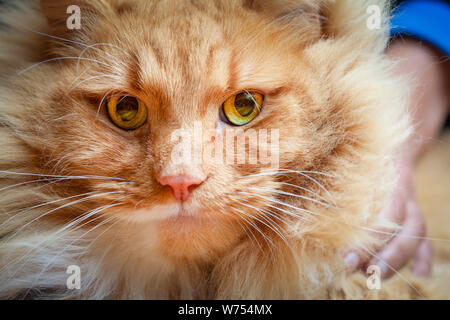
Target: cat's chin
(172, 214)
(187, 231)
(160, 213)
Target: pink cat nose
(181, 185)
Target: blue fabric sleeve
(428, 20)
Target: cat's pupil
(127, 108)
(245, 104)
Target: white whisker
(44, 204)
(280, 202)
(77, 220)
(291, 194)
(91, 213)
(60, 207)
(28, 182)
(271, 222)
(60, 58)
(302, 173)
(89, 79)
(396, 272)
(397, 234)
(60, 176)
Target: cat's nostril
(181, 185)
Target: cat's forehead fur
(199, 47)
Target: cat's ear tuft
(302, 17)
(361, 20)
(279, 8)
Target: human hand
(409, 243)
(429, 108)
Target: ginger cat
(88, 176)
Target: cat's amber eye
(242, 108)
(126, 112)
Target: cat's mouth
(173, 212)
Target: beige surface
(433, 188)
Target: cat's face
(182, 60)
